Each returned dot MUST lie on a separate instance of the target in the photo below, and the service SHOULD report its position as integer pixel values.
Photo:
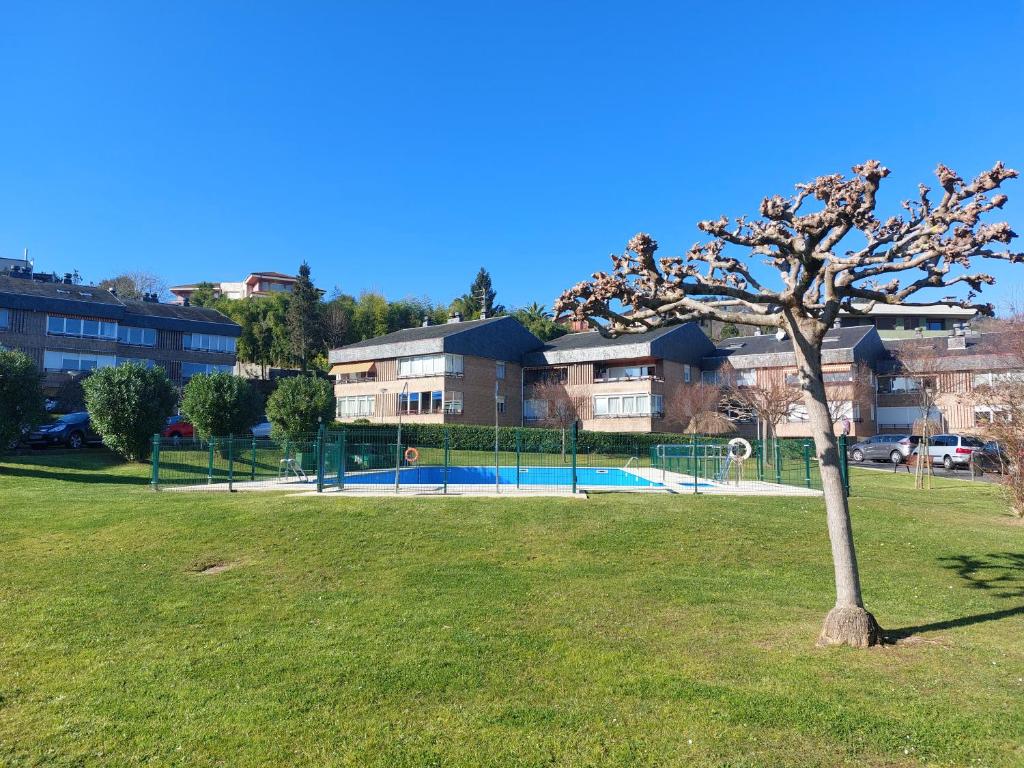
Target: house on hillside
(255, 284)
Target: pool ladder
(631, 460)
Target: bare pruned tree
(558, 410)
(136, 284)
(1002, 398)
(858, 387)
(696, 408)
(920, 365)
(829, 249)
(770, 399)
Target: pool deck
(670, 482)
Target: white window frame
(52, 356)
(453, 402)
(687, 374)
(355, 406)
(628, 405)
(105, 329)
(499, 370)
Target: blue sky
(400, 146)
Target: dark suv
(72, 430)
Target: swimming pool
(589, 477)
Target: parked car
(893, 448)
(72, 430)
(952, 450)
(178, 428)
(262, 428)
(992, 457)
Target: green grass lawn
(623, 630)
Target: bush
(128, 405)
(21, 397)
(299, 404)
(220, 404)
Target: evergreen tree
(305, 319)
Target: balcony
(613, 379)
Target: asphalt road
(955, 474)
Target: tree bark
(848, 623)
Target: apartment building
(766, 362)
(953, 368)
(254, 284)
(623, 384)
(461, 373)
(896, 321)
(67, 329)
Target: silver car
(893, 448)
(953, 450)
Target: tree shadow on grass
(1001, 574)
(79, 467)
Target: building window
(797, 413)
(614, 406)
(138, 337)
(709, 377)
(535, 410)
(546, 376)
(137, 360)
(499, 371)
(499, 403)
(625, 372)
(207, 342)
(421, 402)
(936, 325)
(5, 318)
(76, 361)
(453, 402)
(80, 328)
(354, 406)
(898, 385)
(188, 370)
(429, 365)
(687, 374)
(747, 378)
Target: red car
(177, 429)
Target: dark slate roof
(981, 353)
(92, 301)
(683, 343)
(840, 345)
(497, 338)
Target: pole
(575, 430)
(209, 466)
(398, 442)
(778, 461)
(231, 463)
(342, 458)
(320, 458)
(497, 476)
(693, 452)
(252, 467)
(519, 447)
(447, 448)
(155, 458)
(844, 466)
(807, 464)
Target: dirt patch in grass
(211, 566)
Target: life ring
(411, 455)
(743, 445)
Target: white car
(953, 450)
(262, 429)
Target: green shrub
(21, 396)
(128, 405)
(220, 404)
(298, 406)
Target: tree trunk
(848, 623)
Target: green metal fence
(379, 458)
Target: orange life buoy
(411, 455)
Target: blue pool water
(555, 476)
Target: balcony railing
(613, 379)
(453, 408)
(643, 415)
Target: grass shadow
(1001, 574)
(90, 466)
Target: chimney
(483, 314)
(185, 302)
(956, 342)
(426, 321)
(455, 318)
(67, 278)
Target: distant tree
(538, 322)
(555, 407)
(220, 404)
(127, 405)
(480, 299)
(298, 406)
(921, 363)
(696, 407)
(339, 320)
(829, 250)
(205, 295)
(370, 317)
(729, 331)
(305, 320)
(134, 285)
(21, 396)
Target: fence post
(209, 467)
(575, 430)
(519, 448)
(398, 453)
(252, 468)
(446, 459)
(844, 466)
(231, 463)
(320, 458)
(340, 454)
(760, 460)
(807, 463)
(155, 457)
(778, 461)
